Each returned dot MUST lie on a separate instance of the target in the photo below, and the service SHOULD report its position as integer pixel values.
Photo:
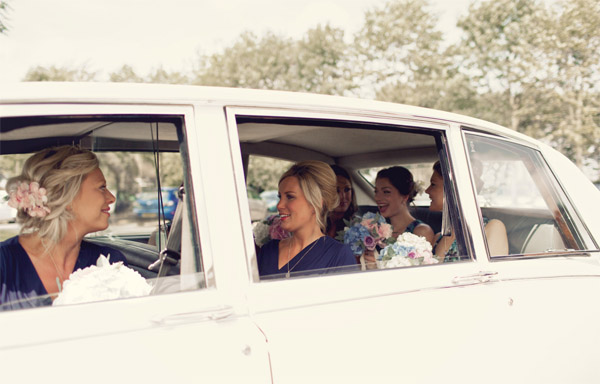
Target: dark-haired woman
(395, 189)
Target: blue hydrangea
(354, 237)
(369, 215)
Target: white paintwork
(532, 321)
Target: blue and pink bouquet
(366, 233)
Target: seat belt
(171, 255)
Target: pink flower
(384, 231)
(370, 224)
(370, 243)
(30, 198)
(428, 257)
(275, 230)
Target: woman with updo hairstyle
(60, 197)
(347, 206)
(395, 190)
(307, 193)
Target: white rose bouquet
(103, 281)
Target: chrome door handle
(476, 278)
(217, 313)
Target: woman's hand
(369, 258)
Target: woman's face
(436, 192)
(91, 205)
(388, 199)
(344, 190)
(294, 210)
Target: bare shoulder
(425, 231)
(495, 225)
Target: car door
(197, 331)
(543, 327)
(417, 324)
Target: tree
(400, 55)
(572, 43)
(501, 53)
(125, 74)
(316, 63)
(321, 63)
(4, 7)
(53, 73)
(251, 62)
(160, 76)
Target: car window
(362, 149)
(515, 186)
(144, 163)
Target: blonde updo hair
(60, 170)
(318, 183)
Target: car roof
(22, 135)
(141, 93)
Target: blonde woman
(307, 193)
(60, 197)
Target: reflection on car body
(524, 316)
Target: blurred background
(532, 66)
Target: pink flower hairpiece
(30, 198)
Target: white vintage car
(526, 316)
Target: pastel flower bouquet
(366, 233)
(408, 250)
(269, 229)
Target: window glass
(262, 185)
(421, 173)
(144, 168)
(515, 187)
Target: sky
(103, 35)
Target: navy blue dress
(20, 285)
(325, 252)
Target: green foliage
(53, 73)
(264, 172)
(4, 7)
(572, 44)
(315, 63)
(125, 74)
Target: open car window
(360, 148)
(143, 158)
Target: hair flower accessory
(30, 198)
